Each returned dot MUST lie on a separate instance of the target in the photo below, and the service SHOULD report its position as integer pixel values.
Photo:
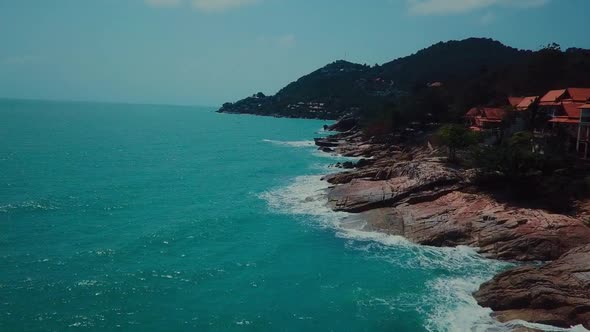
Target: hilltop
(448, 76)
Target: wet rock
(348, 165)
(326, 142)
(364, 162)
(497, 230)
(344, 124)
(555, 294)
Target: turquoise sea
(166, 218)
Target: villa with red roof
(563, 106)
(569, 111)
(526, 103)
(553, 97)
(514, 101)
(481, 118)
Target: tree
(551, 47)
(514, 158)
(456, 137)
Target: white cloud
(442, 7)
(163, 3)
(220, 5)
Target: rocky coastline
(405, 186)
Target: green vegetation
(513, 160)
(472, 72)
(514, 168)
(456, 137)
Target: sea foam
(294, 144)
(450, 305)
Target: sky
(206, 52)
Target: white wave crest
(450, 305)
(293, 144)
(305, 196)
(32, 205)
(455, 309)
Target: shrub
(456, 137)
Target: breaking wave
(449, 305)
(294, 144)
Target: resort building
(514, 101)
(569, 112)
(482, 118)
(552, 103)
(576, 123)
(566, 114)
(526, 103)
(584, 131)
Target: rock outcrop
(415, 193)
(401, 182)
(556, 294)
(409, 190)
(344, 124)
(497, 230)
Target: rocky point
(409, 189)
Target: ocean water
(164, 218)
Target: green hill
(474, 71)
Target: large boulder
(497, 230)
(327, 142)
(344, 124)
(556, 294)
(402, 182)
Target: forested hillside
(435, 84)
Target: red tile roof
(494, 113)
(552, 96)
(514, 101)
(527, 102)
(572, 110)
(473, 112)
(564, 119)
(579, 94)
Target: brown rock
(402, 181)
(410, 192)
(499, 231)
(556, 294)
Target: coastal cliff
(406, 187)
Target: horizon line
(87, 101)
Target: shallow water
(143, 218)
